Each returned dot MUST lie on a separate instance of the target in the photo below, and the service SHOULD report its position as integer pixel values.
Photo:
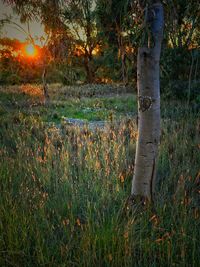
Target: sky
(36, 29)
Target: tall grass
(63, 193)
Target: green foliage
(118, 31)
(113, 16)
(179, 71)
(176, 64)
(182, 23)
(8, 78)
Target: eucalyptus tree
(148, 101)
(80, 17)
(115, 19)
(75, 17)
(115, 22)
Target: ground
(64, 188)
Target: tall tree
(148, 102)
(74, 16)
(116, 22)
(80, 17)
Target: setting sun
(30, 50)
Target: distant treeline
(96, 42)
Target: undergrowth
(63, 192)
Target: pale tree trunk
(124, 70)
(45, 87)
(122, 55)
(123, 60)
(148, 84)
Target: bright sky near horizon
(36, 29)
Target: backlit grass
(63, 192)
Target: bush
(9, 78)
(178, 66)
(180, 89)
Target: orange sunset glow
(30, 50)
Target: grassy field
(68, 102)
(64, 189)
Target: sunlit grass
(31, 90)
(63, 193)
(29, 99)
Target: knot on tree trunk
(145, 103)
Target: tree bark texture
(148, 84)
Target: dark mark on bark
(145, 103)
